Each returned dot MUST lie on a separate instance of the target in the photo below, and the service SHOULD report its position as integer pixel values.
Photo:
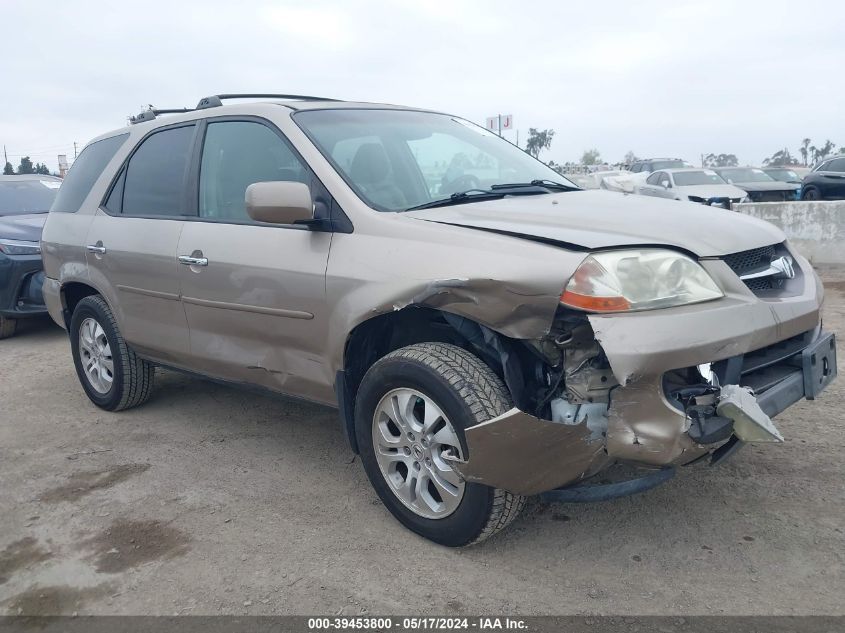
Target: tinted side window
(654, 179)
(235, 155)
(836, 165)
(155, 175)
(84, 173)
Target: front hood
(767, 186)
(603, 219)
(711, 191)
(26, 228)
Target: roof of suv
(19, 177)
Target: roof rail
(151, 113)
(217, 100)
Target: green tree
(8, 170)
(538, 140)
(26, 166)
(720, 160)
(41, 168)
(781, 158)
(825, 150)
(591, 157)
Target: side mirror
(664, 184)
(279, 202)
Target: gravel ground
(210, 500)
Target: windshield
(746, 175)
(704, 177)
(787, 175)
(658, 165)
(18, 197)
(398, 159)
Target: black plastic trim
(346, 409)
(588, 493)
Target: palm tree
(804, 145)
(814, 154)
(826, 149)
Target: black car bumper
(21, 278)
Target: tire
(466, 392)
(7, 327)
(123, 380)
(811, 193)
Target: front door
(132, 245)
(254, 294)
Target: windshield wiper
(458, 198)
(546, 184)
(535, 187)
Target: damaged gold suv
(487, 330)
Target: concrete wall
(816, 229)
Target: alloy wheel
(95, 354)
(413, 442)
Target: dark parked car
(759, 186)
(826, 181)
(650, 165)
(24, 203)
(787, 174)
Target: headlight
(622, 281)
(18, 247)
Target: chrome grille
(748, 261)
(752, 261)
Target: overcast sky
(666, 78)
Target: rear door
(254, 293)
(132, 244)
(833, 184)
(652, 187)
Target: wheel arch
(378, 336)
(72, 292)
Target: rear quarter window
(85, 171)
(154, 181)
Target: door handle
(193, 261)
(96, 248)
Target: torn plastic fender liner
(525, 455)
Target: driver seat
(371, 170)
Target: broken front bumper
(774, 348)
(643, 424)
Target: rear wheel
(7, 327)
(411, 411)
(112, 375)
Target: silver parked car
(694, 185)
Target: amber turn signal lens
(594, 304)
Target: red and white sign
(505, 120)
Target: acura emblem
(783, 267)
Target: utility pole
(74, 150)
(5, 156)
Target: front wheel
(411, 411)
(811, 193)
(112, 375)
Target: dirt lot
(210, 500)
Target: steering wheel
(462, 183)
